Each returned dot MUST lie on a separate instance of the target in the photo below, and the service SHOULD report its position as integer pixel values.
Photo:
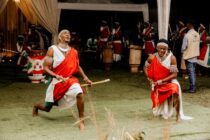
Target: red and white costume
(203, 58)
(117, 43)
(23, 54)
(64, 93)
(182, 32)
(104, 36)
(156, 71)
(149, 45)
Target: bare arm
(147, 63)
(85, 78)
(48, 62)
(172, 74)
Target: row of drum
(134, 57)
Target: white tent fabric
(44, 12)
(26, 8)
(48, 15)
(3, 4)
(47, 12)
(107, 7)
(163, 17)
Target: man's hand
(152, 84)
(89, 82)
(150, 81)
(59, 77)
(159, 82)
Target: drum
(107, 55)
(135, 58)
(35, 66)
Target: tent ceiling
(107, 7)
(105, 1)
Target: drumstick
(83, 85)
(7, 50)
(95, 83)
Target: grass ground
(119, 106)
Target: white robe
(166, 109)
(69, 99)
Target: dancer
(62, 63)
(161, 71)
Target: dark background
(86, 23)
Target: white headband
(162, 44)
(61, 32)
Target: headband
(61, 32)
(162, 44)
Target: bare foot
(35, 111)
(178, 119)
(81, 126)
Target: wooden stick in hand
(83, 85)
(99, 82)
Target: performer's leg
(80, 106)
(184, 69)
(176, 104)
(184, 74)
(39, 106)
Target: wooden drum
(107, 55)
(135, 58)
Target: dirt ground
(113, 110)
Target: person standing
(92, 43)
(203, 45)
(62, 63)
(148, 37)
(104, 35)
(203, 58)
(117, 42)
(182, 30)
(191, 50)
(23, 51)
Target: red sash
(203, 46)
(156, 71)
(117, 47)
(105, 32)
(147, 34)
(67, 68)
(148, 31)
(149, 47)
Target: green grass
(121, 105)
